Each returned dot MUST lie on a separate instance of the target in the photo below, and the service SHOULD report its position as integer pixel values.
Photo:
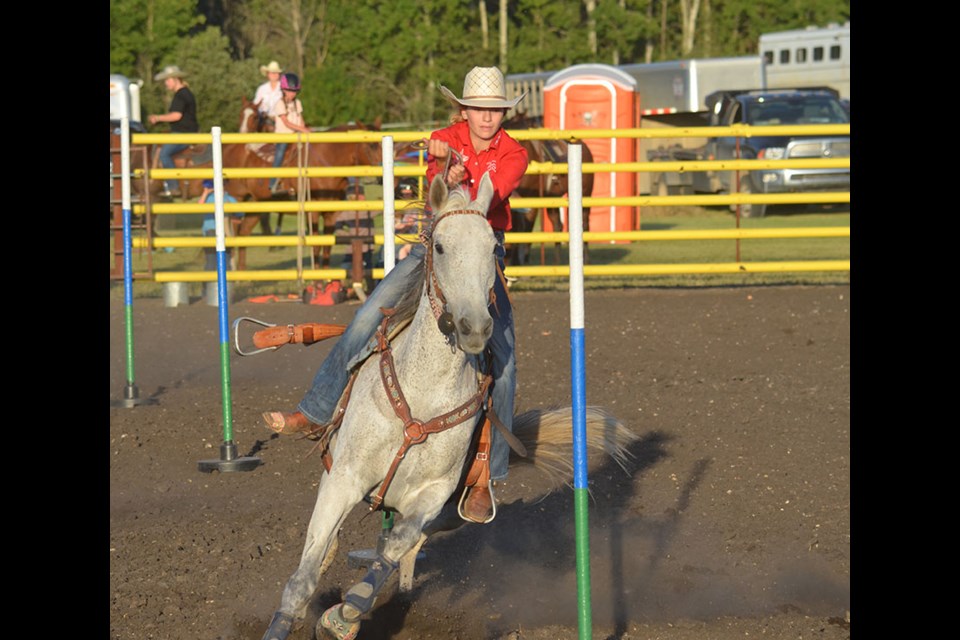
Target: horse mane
(407, 306)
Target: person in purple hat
(288, 118)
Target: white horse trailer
(815, 56)
(671, 87)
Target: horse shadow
(539, 534)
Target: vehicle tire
(749, 210)
(662, 189)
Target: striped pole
(228, 450)
(578, 388)
(389, 210)
(131, 394)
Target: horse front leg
(335, 498)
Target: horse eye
(439, 248)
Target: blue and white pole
(578, 387)
(131, 395)
(228, 450)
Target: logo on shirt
(492, 166)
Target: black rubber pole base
(229, 461)
(131, 398)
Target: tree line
(363, 59)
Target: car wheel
(749, 210)
(662, 186)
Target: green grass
(650, 252)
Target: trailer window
(835, 52)
(801, 55)
(818, 54)
(784, 56)
(768, 57)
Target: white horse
(414, 465)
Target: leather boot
(478, 507)
(287, 423)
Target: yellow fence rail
(404, 170)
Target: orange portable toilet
(598, 96)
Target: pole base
(131, 398)
(229, 461)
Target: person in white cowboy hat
(268, 93)
(477, 144)
(182, 116)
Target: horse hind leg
(329, 227)
(247, 225)
(408, 565)
(557, 223)
(265, 224)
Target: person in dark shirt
(182, 116)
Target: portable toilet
(598, 96)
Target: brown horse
(261, 155)
(544, 185)
(330, 154)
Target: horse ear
(438, 193)
(377, 123)
(485, 192)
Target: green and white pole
(228, 450)
(578, 387)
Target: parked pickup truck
(762, 108)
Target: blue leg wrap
(279, 627)
(362, 595)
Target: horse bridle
(438, 301)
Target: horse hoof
(279, 627)
(333, 625)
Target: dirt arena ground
(733, 522)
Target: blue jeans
(278, 154)
(167, 152)
(355, 344)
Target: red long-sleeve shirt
(505, 159)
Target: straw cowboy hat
(273, 67)
(483, 87)
(170, 71)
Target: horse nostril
(465, 327)
(488, 328)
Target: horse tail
(548, 436)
